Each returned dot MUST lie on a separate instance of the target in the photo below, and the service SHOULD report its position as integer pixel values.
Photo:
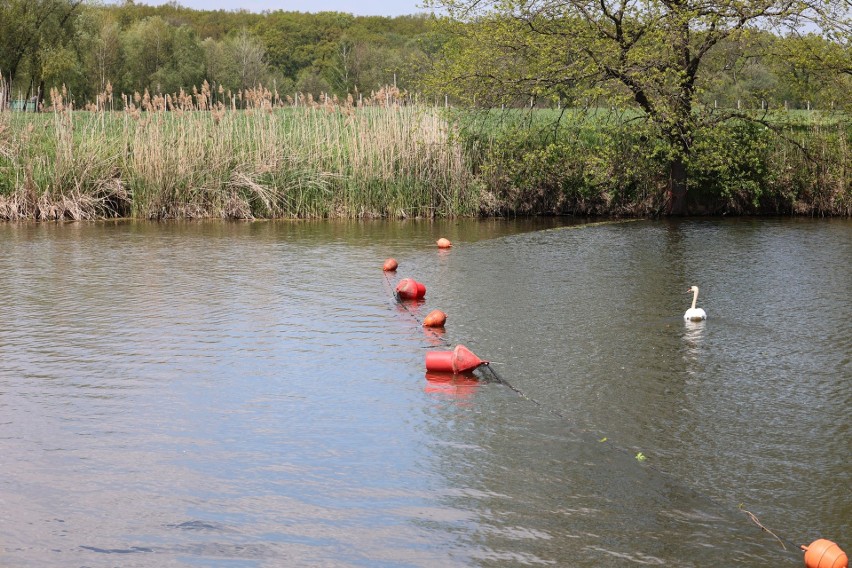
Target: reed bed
(186, 156)
(254, 154)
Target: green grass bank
(606, 162)
(337, 160)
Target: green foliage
(663, 97)
(134, 47)
(580, 162)
(161, 57)
(484, 61)
(606, 163)
(32, 30)
(651, 56)
(730, 163)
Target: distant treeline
(131, 48)
(98, 51)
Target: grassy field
(198, 160)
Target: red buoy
(390, 265)
(410, 289)
(435, 318)
(444, 243)
(823, 553)
(459, 360)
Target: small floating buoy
(390, 265)
(435, 318)
(823, 553)
(459, 360)
(444, 243)
(410, 289)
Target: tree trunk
(677, 187)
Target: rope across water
(499, 379)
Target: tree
(147, 46)
(648, 54)
(820, 64)
(220, 63)
(161, 57)
(250, 59)
(99, 51)
(28, 28)
(187, 58)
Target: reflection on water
(250, 394)
(692, 338)
(456, 387)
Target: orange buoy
(823, 553)
(439, 361)
(390, 265)
(410, 289)
(435, 318)
(444, 243)
(459, 360)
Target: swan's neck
(694, 298)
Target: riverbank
(335, 160)
(611, 163)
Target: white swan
(693, 313)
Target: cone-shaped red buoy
(390, 265)
(444, 243)
(410, 289)
(459, 360)
(823, 553)
(464, 360)
(435, 318)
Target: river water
(250, 394)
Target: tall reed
(186, 156)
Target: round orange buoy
(435, 318)
(444, 243)
(459, 360)
(410, 289)
(390, 265)
(823, 553)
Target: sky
(359, 8)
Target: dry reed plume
(231, 155)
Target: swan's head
(692, 289)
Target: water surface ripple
(250, 394)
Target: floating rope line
(589, 225)
(815, 554)
(495, 376)
(525, 396)
(752, 517)
(756, 521)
